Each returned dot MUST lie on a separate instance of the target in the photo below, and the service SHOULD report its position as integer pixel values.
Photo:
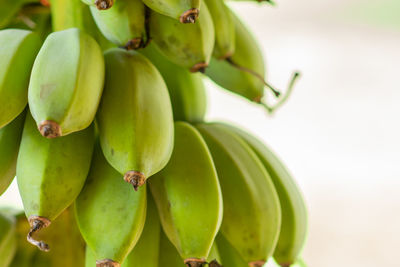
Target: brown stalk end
(214, 263)
(136, 179)
(194, 262)
(226, 56)
(50, 129)
(199, 67)
(107, 263)
(257, 263)
(37, 223)
(104, 4)
(285, 264)
(134, 44)
(189, 16)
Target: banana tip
(134, 44)
(135, 178)
(50, 129)
(107, 263)
(104, 4)
(256, 263)
(199, 67)
(214, 263)
(189, 16)
(194, 262)
(37, 223)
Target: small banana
(294, 212)
(100, 4)
(188, 196)
(10, 138)
(110, 215)
(187, 45)
(229, 255)
(50, 174)
(135, 117)
(124, 24)
(8, 239)
(18, 49)
(252, 215)
(187, 90)
(67, 14)
(66, 83)
(185, 11)
(169, 256)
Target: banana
(10, 138)
(100, 4)
(9, 9)
(124, 24)
(294, 211)
(110, 215)
(187, 45)
(50, 174)
(188, 196)
(169, 256)
(186, 11)
(66, 83)
(18, 49)
(259, 1)
(229, 255)
(67, 14)
(214, 258)
(187, 90)
(224, 26)
(135, 117)
(8, 239)
(252, 215)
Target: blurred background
(339, 132)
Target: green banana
(100, 4)
(187, 90)
(10, 138)
(66, 83)
(110, 215)
(294, 212)
(214, 258)
(8, 239)
(169, 256)
(135, 117)
(67, 14)
(229, 255)
(186, 11)
(50, 174)
(224, 26)
(188, 196)
(252, 214)
(18, 49)
(124, 24)
(187, 45)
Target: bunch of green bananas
(84, 117)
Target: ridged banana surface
(228, 254)
(186, 11)
(8, 239)
(169, 256)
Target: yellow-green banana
(187, 45)
(188, 196)
(51, 173)
(66, 83)
(186, 11)
(214, 258)
(187, 90)
(229, 255)
(110, 214)
(252, 214)
(100, 4)
(124, 24)
(294, 212)
(10, 138)
(18, 49)
(169, 256)
(8, 239)
(135, 117)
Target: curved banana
(294, 211)
(186, 11)
(110, 215)
(18, 49)
(187, 45)
(8, 239)
(187, 90)
(188, 196)
(135, 117)
(252, 214)
(66, 83)
(169, 256)
(51, 173)
(10, 138)
(229, 255)
(100, 4)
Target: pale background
(339, 133)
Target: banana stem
(214, 263)
(37, 223)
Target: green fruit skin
(135, 115)
(8, 239)
(108, 199)
(17, 53)
(173, 8)
(188, 196)
(247, 54)
(52, 172)
(9, 9)
(229, 255)
(252, 214)
(184, 44)
(67, 80)
(169, 256)
(294, 212)
(67, 14)
(10, 138)
(214, 254)
(187, 90)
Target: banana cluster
(99, 96)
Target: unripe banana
(188, 196)
(186, 11)
(100, 4)
(66, 83)
(187, 45)
(252, 215)
(169, 256)
(67, 14)
(124, 24)
(214, 258)
(294, 212)
(18, 49)
(110, 215)
(10, 138)
(187, 90)
(51, 173)
(135, 117)
(8, 239)
(229, 255)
